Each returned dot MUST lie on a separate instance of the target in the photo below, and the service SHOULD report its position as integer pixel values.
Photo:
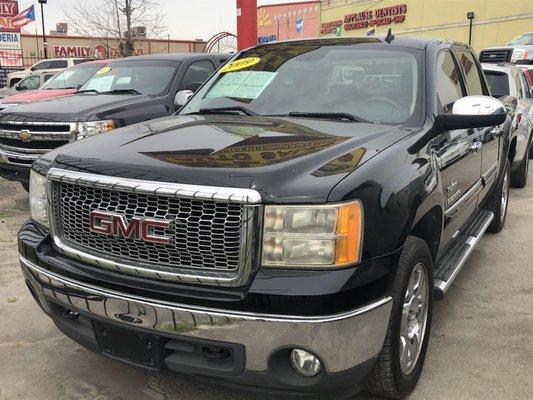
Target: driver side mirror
(18, 86)
(32, 68)
(473, 112)
(182, 97)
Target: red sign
(368, 18)
(8, 9)
(99, 51)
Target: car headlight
(91, 128)
(312, 236)
(519, 54)
(38, 198)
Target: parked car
(508, 80)
(284, 230)
(51, 65)
(30, 83)
(518, 50)
(124, 92)
(63, 84)
(528, 72)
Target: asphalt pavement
(481, 344)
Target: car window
(524, 85)
(498, 83)
(30, 83)
(373, 82)
(46, 77)
(197, 73)
(473, 78)
(41, 65)
(80, 61)
(150, 77)
(526, 39)
(73, 78)
(56, 64)
(449, 85)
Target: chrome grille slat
(211, 233)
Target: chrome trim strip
(472, 241)
(23, 149)
(215, 193)
(341, 340)
(463, 199)
(5, 156)
(490, 172)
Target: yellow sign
(240, 64)
(103, 70)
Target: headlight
(38, 198)
(312, 236)
(91, 128)
(518, 54)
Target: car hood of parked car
(280, 157)
(37, 95)
(77, 107)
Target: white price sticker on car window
(242, 84)
(101, 84)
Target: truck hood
(37, 95)
(285, 159)
(77, 107)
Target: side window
(58, 64)
(449, 86)
(46, 77)
(30, 83)
(41, 65)
(80, 60)
(197, 73)
(473, 78)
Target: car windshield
(498, 83)
(524, 39)
(150, 77)
(341, 79)
(72, 78)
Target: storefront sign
(8, 9)
(10, 41)
(267, 38)
(99, 51)
(368, 18)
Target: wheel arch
(429, 229)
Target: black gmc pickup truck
(124, 92)
(288, 229)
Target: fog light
(305, 363)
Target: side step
(449, 265)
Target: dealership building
(494, 22)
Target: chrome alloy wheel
(414, 318)
(505, 197)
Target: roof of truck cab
(174, 56)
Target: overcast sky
(185, 19)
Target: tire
(25, 186)
(391, 377)
(519, 177)
(499, 201)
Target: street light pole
(470, 16)
(42, 2)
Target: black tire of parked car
(519, 177)
(387, 378)
(26, 186)
(531, 147)
(496, 199)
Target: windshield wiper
(224, 110)
(121, 91)
(89, 91)
(327, 115)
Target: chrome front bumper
(342, 340)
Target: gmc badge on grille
(113, 224)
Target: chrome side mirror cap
(478, 105)
(182, 97)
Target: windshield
(72, 78)
(498, 83)
(376, 83)
(524, 39)
(150, 77)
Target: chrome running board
(450, 264)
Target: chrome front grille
(23, 142)
(211, 234)
(495, 55)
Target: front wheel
(400, 362)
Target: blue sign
(267, 38)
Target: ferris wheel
(222, 42)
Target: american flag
(23, 18)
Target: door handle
(476, 146)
